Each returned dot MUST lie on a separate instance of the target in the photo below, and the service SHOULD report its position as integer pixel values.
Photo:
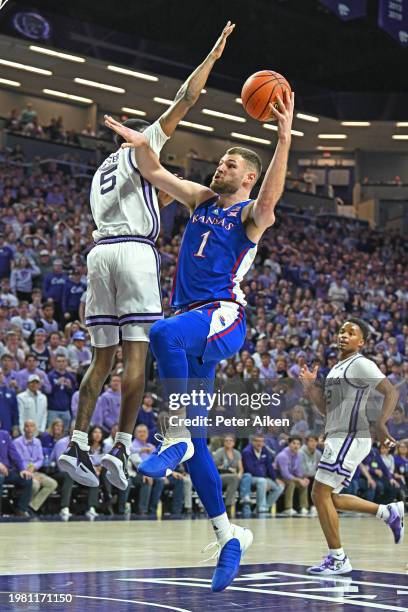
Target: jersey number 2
(202, 245)
(108, 180)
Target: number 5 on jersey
(108, 180)
(200, 252)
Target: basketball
(261, 89)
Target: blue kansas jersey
(215, 254)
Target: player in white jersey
(348, 441)
(123, 291)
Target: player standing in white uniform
(123, 289)
(348, 440)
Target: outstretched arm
(188, 193)
(190, 91)
(263, 209)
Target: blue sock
(177, 345)
(206, 479)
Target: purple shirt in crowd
(107, 410)
(137, 445)
(9, 455)
(31, 451)
(288, 464)
(59, 448)
(74, 404)
(23, 375)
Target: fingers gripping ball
(262, 89)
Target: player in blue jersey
(218, 247)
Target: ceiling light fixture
(162, 101)
(133, 73)
(328, 148)
(197, 126)
(12, 83)
(25, 67)
(65, 56)
(307, 117)
(251, 138)
(271, 126)
(133, 111)
(356, 123)
(400, 136)
(213, 113)
(100, 85)
(332, 136)
(61, 94)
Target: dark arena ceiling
(350, 70)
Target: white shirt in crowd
(33, 407)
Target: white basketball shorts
(123, 290)
(341, 457)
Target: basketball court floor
(145, 566)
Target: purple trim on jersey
(337, 466)
(334, 468)
(148, 198)
(130, 238)
(140, 318)
(149, 204)
(345, 374)
(344, 449)
(354, 412)
(158, 266)
(93, 317)
(101, 321)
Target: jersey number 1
(108, 180)
(202, 245)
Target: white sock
(222, 528)
(383, 513)
(338, 553)
(81, 438)
(125, 439)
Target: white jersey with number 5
(123, 203)
(347, 389)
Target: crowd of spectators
(27, 122)
(309, 273)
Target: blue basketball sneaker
(167, 456)
(229, 557)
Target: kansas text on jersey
(215, 254)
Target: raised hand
(219, 46)
(132, 137)
(284, 115)
(307, 377)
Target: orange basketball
(260, 90)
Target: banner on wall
(393, 18)
(347, 9)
